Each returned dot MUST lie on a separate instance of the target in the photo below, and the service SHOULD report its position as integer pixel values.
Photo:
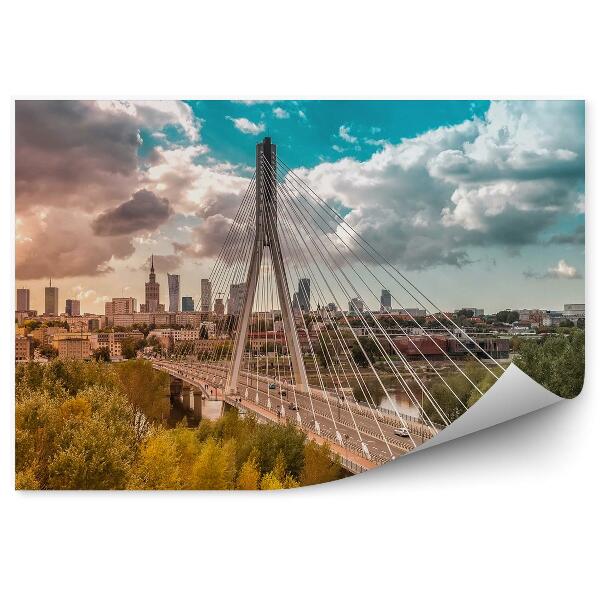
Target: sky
(480, 204)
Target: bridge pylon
(266, 236)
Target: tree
(214, 469)
(147, 390)
(130, 346)
(157, 467)
(507, 316)
(319, 465)
(82, 441)
(557, 362)
(101, 354)
(48, 351)
(270, 482)
(369, 351)
(249, 475)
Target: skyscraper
(187, 304)
(205, 295)
(152, 292)
(173, 281)
(356, 306)
(219, 307)
(23, 299)
(386, 301)
(51, 300)
(73, 307)
(304, 294)
(237, 292)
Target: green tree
(147, 390)
(557, 362)
(48, 351)
(369, 351)
(101, 354)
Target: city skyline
(479, 203)
(233, 299)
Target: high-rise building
(173, 281)
(205, 295)
(219, 307)
(51, 300)
(356, 306)
(386, 301)
(304, 294)
(152, 303)
(237, 292)
(72, 307)
(187, 304)
(22, 299)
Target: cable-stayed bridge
(301, 357)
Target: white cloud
(344, 133)
(563, 271)
(247, 126)
(372, 142)
(337, 148)
(280, 113)
(190, 186)
(499, 181)
(157, 113)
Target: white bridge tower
(266, 237)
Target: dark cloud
(144, 211)
(208, 238)
(72, 153)
(576, 237)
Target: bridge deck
(337, 421)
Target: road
(356, 428)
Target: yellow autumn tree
(249, 475)
(214, 468)
(319, 465)
(157, 467)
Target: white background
(510, 512)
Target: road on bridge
(376, 431)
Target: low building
(168, 337)
(73, 348)
(112, 340)
(191, 318)
(22, 348)
(552, 318)
(24, 315)
(573, 312)
(44, 335)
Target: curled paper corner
(513, 395)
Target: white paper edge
(513, 395)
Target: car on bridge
(401, 432)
